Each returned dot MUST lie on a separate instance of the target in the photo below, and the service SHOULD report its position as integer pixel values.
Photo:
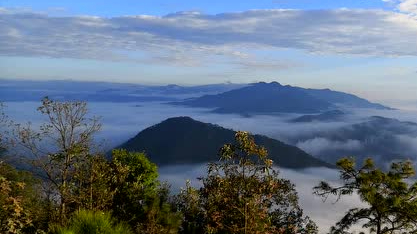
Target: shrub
(90, 222)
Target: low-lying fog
(327, 140)
(325, 214)
(123, 120)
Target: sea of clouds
(122, 121)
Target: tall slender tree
(3, 124)
(61, 146)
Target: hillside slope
(182, 140)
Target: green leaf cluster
(93, 222)
(389, 196)
(243, 193)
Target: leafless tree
(61, 146)
(4, 128)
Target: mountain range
(245, 99)
(270, 98)
(28, 90)
(183, 140)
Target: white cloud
(408, 6)
(317, 145)
(405, 6)
(192, 38)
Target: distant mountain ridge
(328, 116)
(344, 99)
(269, 98)
(29, 90)
(261, 98)
(245, 99)
(183, 140)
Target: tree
(139, 198)
(160, 217)
(242, 193)
(13, 217)
(93, 182)
(188, 203)
(77, 178)
(390, 198)
(135, 179)
(20, 208)
(60, 147)
(3, 124)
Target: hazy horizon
(367, 48)
(403, 104)
(363, 47)
(130, 119)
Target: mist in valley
(330, 79)
(122, 121)
(355, 134)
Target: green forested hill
(183, 140)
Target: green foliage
(134, 182)
(188, 202)
(141, 172)
(389, 196)
(21, 210)
(76, 178)
(243, 194)
(160, 217)
(13, 217)
(140, 200)
(61, 147)
(93, 184)
(89, 222)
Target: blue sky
(111, 8)
(368, 47)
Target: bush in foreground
(90, 222)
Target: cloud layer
(325, 214)
(182, 37)
(326, 140)
(316, 146)
(124, 120)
